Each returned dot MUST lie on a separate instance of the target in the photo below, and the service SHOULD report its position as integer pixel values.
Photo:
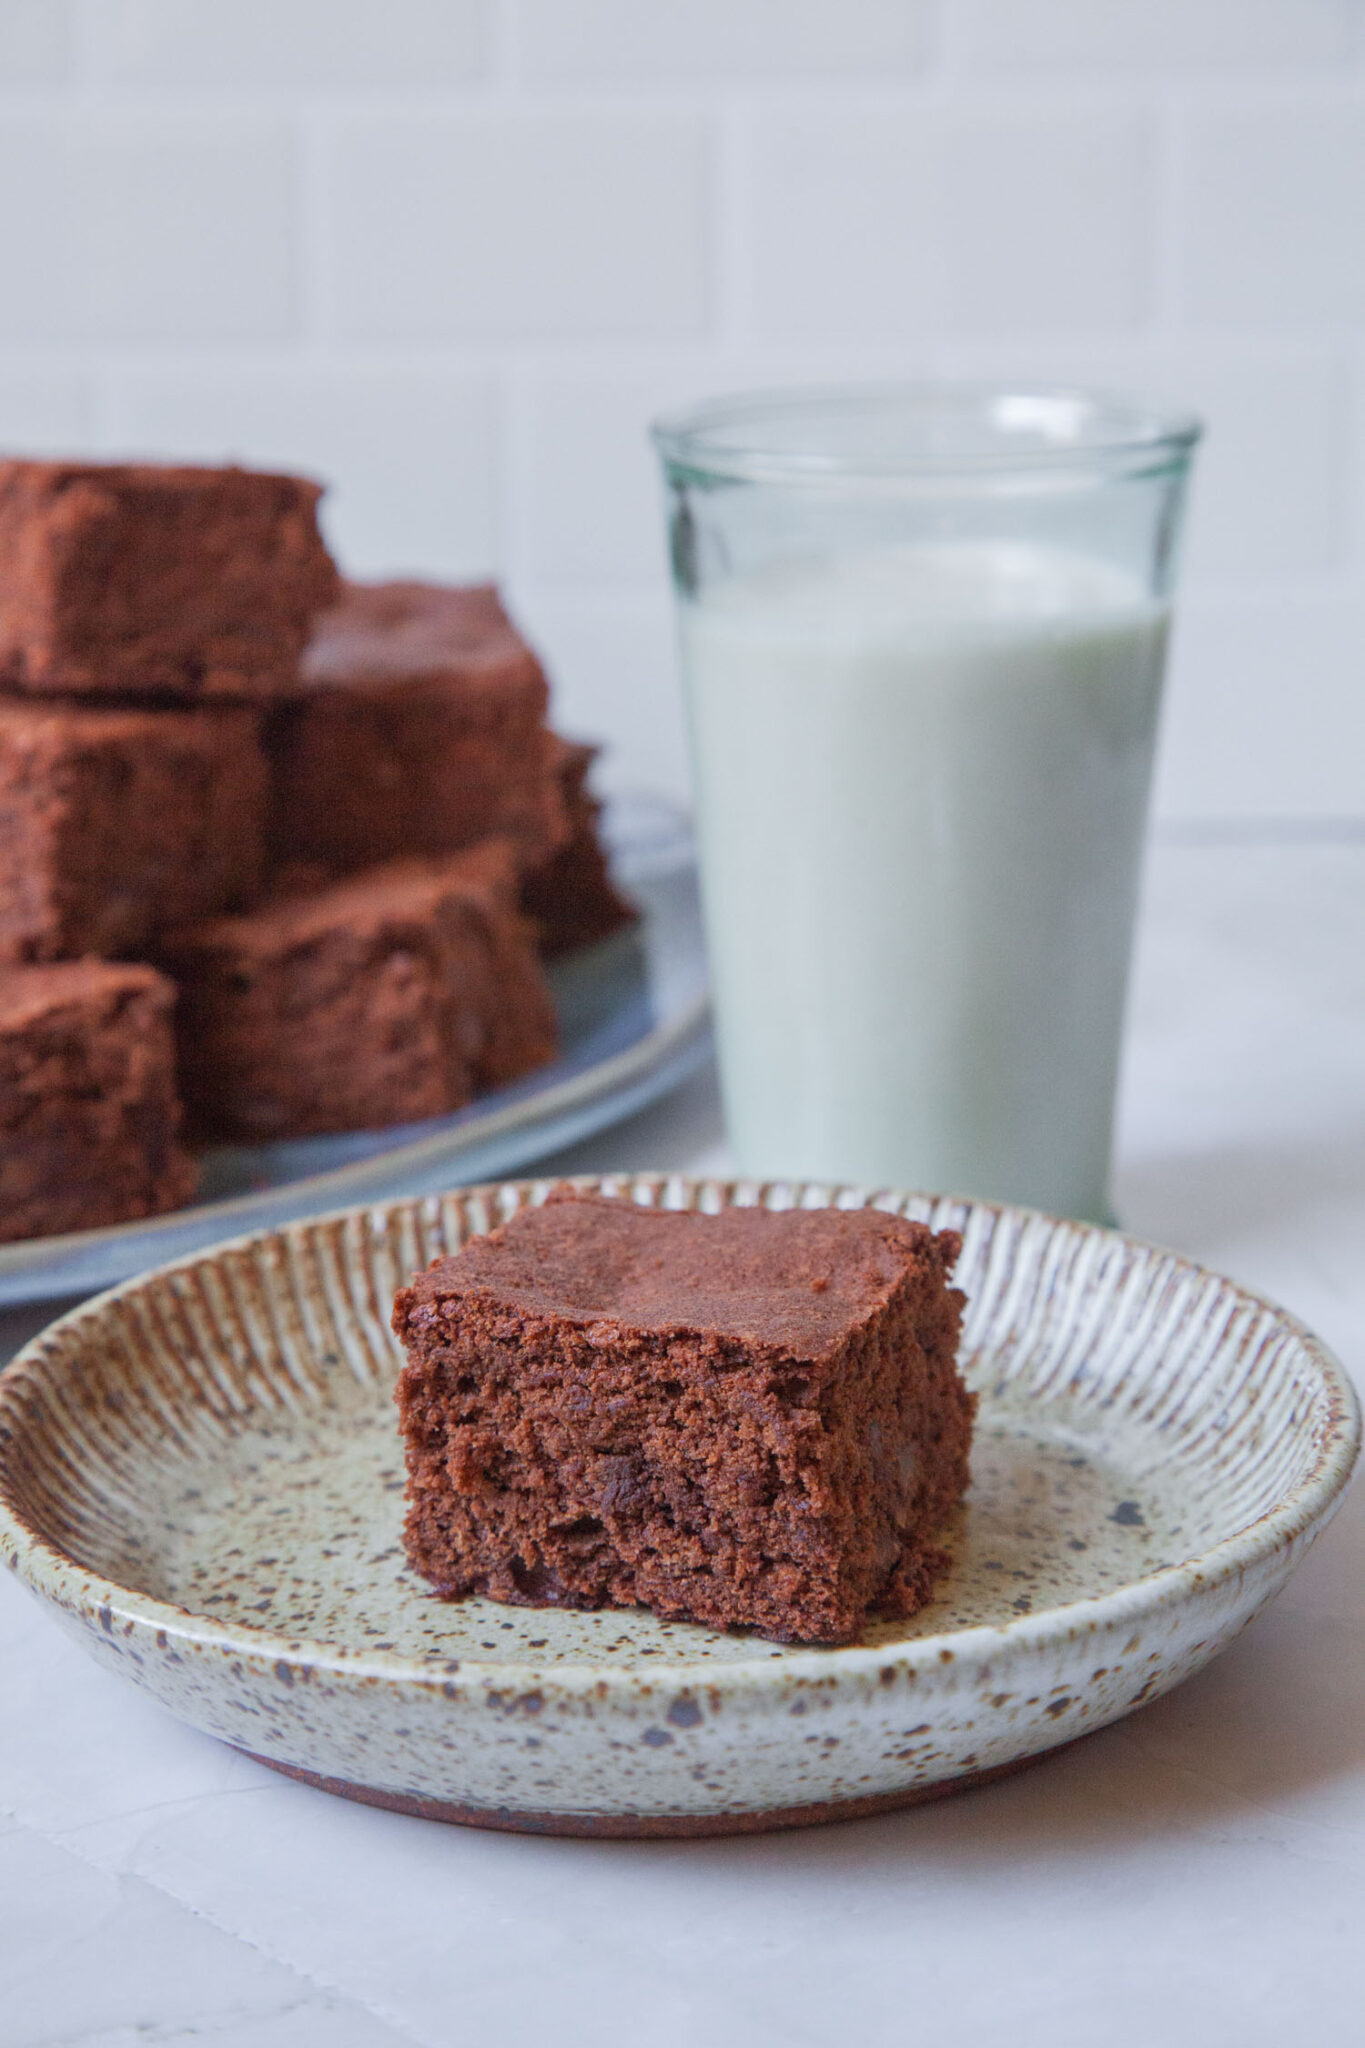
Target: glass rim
(1048, 431)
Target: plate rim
(489, 1137)
(58, 1578)
(574, 1091)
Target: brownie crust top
(189, 479)
(28, 993)
(399, 632)
(364, 903)
(798, 1282)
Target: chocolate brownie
(420, 729)
(116, 822)
(133, 579)
(570, 895)
(89, 1118)
(385, 998)
(748, 1420)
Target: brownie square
(382, 999)
(571, 895)
(134, 579)
(89, 1116)
(117, 822)
(752, 1419)
(420, 729)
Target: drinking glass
(923, 634)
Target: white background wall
(451, 254)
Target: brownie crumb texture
(570, 894)
(749, 1420)
(316, 805)
(383, 999)
(117, 822)
(419, 729)
(89, 1116)
(137, 579)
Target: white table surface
(1195, 1875)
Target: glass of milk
(923, 634)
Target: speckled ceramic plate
(200, 1473)
(633, 1022)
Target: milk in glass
(921, 777)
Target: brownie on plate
(89, 1117)
(420, 728)
(752, 1419)
(135, 579)
(571, 895)
(116, 821)
(382, 999)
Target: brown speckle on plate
(198, 1472)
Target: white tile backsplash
(454, 253)
(40, 264)
(42, 410)
(590, 495)
(184, 227)
(414, 455)
(1208, 36)
(719, 39)
(288, 46)
(1270, 225)
(840, 218)
(483, 223)
(139, 226)
(1274, 484)
(1265, 716)
(1046, 219)
(37, 42)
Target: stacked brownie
(89, 1116)
(297, 817)
(116, 822)
(144, 613)
(123, 580)
(570, 894)
(392, 995)
(420, 729)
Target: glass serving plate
(634, 1022)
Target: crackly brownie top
(395, 632)
(28, 993)
(798, 1280)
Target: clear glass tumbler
(923, 635)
